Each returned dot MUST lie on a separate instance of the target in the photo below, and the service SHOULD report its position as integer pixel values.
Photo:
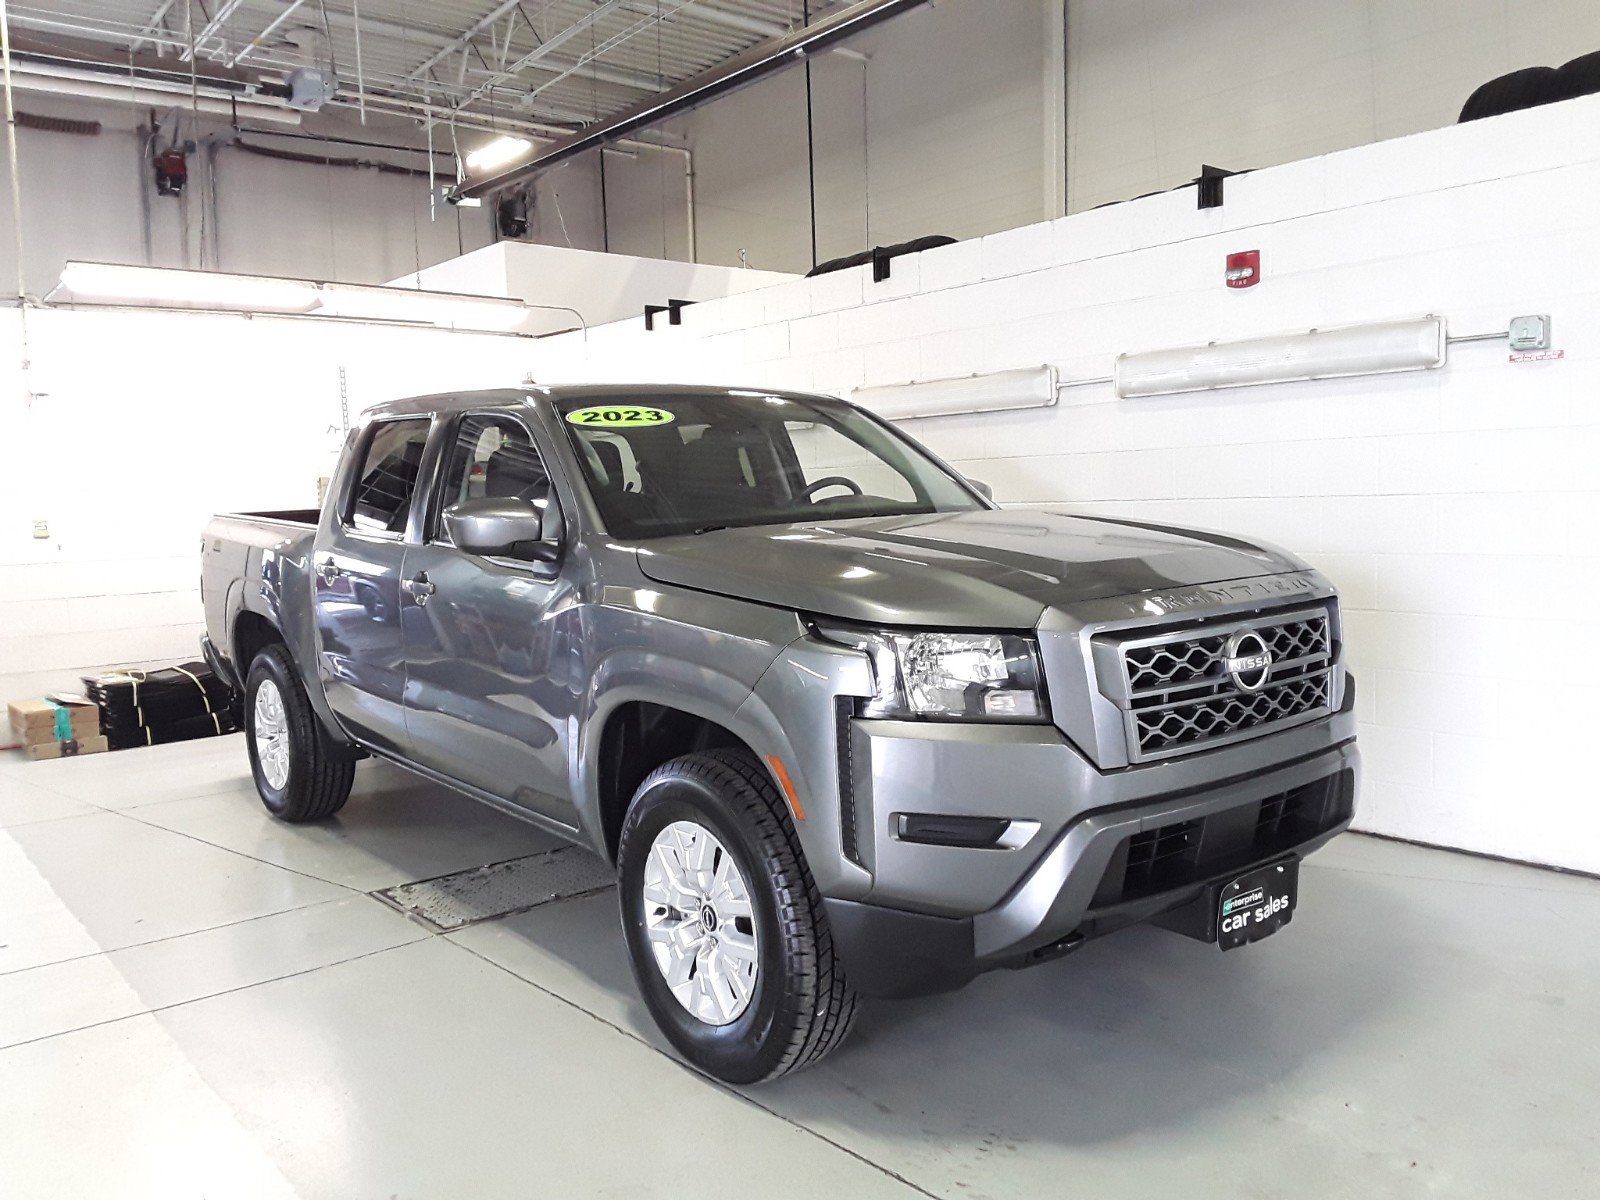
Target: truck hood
(995, 569)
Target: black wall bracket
(881, 258)
(673, 309)
(1210, 182)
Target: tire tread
(819, 1007)
(326, 777)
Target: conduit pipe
(631, 147)
(146, 92)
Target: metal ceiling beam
(260, 38)
(759, 61)
(591, 60)
(712, 15)
(461, 42)
(153, 24)
(615, 75)
(216, 22)
(582, 25)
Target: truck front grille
(1178, 693)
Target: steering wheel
(830, 481)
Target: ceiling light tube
(162, 287)
(448, 309)
(1387, 346)
(1033, 387)
(214, 291)
(498, 153)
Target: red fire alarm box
(1243, 269)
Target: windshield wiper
(707, 529)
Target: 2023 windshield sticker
(619, 416)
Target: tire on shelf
(1580, 77)
(1515, 90)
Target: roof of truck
(490, 397)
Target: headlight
(955, 676)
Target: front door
(357, 572)
(488, 700)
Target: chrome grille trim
(1177, 696)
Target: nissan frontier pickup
(842, 725)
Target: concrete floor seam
(244, 987)
(715, 1083)
(239, 853)
(173, 937)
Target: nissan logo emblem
(1248, 660)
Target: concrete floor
(198, 1001)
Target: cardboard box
(36, 721)
(87, 745)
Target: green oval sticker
(618, 416)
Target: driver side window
(492, 456)
(825, 452)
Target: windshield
(687, 464)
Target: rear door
(357, 570)
(491, 643)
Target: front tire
(724, 924)
(298, 773)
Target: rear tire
(785, 1003)
(299, 774)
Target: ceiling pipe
(144, 91)
(761, 60)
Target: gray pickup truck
(843, 726)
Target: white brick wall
(1456, 509)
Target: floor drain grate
(451, 901)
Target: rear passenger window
(388, 480)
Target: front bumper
(1109, 849)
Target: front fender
(634, 675)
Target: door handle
(419, 588)
(330, 571)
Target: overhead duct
(767, 58)
(61, 80)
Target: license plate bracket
(1257, 903)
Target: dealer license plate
(1254, 905)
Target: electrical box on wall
(1243, 269)
(1530, 333)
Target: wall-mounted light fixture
(1033, 387)
(158, 287)
(1387, 346)
(214, 291)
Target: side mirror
(983, 489)
(494, 526)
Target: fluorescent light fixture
(1410, 345)
(213, 291)
(160, 287)
(450, 309)
(1033, 387)
(498, 153)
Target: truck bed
(232, 555)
